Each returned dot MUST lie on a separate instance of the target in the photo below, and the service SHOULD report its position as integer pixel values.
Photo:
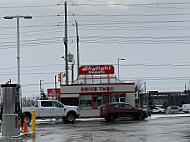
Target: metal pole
(118, 64)
(72, 72)
(18, 40)
(18, 49)
(40, 87)
(118, 67)
(66, 46)
(77, 48)
(56, 86)
(145, 96)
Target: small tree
(139, 90)
(150, 101)
(26, 101)
(165, 104)
(139, 87)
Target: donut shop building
(96, 85)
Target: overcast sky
(152, 35)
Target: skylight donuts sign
(96, 69)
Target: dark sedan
(115, 110)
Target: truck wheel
(70, 117)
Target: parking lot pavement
(165, 129)
(158, 128)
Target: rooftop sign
(53, 92)
(96, 69)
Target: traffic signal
(64, 74)
(60, 76)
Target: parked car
(157, 110)
(115, 110)
(186, 108)
(51, 109)
(172, 109)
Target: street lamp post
(18, 40)
(41, 87)
(118, 59)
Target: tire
(70, 117)
(111, 117)
(139, 116)
(107, 120)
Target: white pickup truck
(51, 109)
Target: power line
(131, 15)
(30, 73)
(130, 5)
(27, 6)
(156, 78)
(102, 4)
(135, 22)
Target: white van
(186, 108)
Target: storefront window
(106, 98)
(121, 95)
(73, 101)
(115, 98)
(122, 99)
(93, 101)
(97, 100)
(85, 100)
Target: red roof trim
(98, 84)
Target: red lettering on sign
(96, 69)
(95, 89)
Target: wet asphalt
(173, 129)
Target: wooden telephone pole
(66, 46)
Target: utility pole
(66, 45)
(41, 93)
(72, 72)
(77, 34)
(55, 87)
(145, 95)
(118, 59)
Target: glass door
(97, 100)
(105, 98)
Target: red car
(115, 110)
